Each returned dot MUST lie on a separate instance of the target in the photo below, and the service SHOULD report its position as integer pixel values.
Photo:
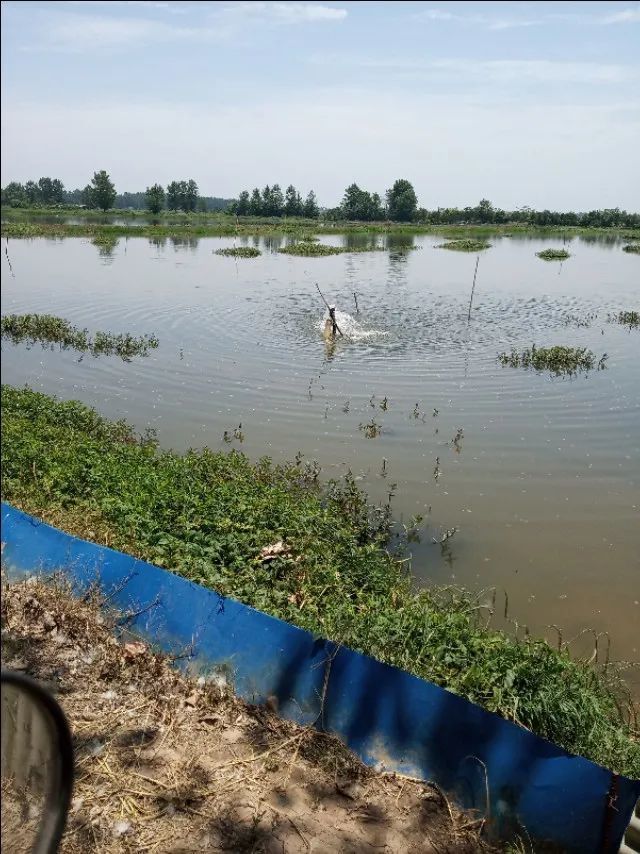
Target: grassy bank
(212, 518)
(53, 223)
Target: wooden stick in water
(473, 287)
(355, 297)
(332, 316)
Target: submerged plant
(239, 252)
(558, 360)
(209, 516)
(554, 254)
(465, 245)
(49, 330)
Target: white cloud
(490, 23)
(625, 16)
(295, 12)
(496, 71)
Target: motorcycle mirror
(37, 766)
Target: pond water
(543, 480)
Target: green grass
(310, 249)
(207, 515)
(558, 360)
(27, 222)
(553, 254)
(50, 330)
(632, 247)
(239, 252)
(467, 245)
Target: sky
(523, 103)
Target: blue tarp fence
(394, 721)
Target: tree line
(101, 194)
(400, 204)
(273, 202)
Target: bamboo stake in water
(355, 297)
(473, 287)
(335, 323)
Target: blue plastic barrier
(392, 720)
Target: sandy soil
(165, 764)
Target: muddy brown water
(543, 486)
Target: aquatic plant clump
(239, 252)
(467, 245)
(632, 247)
(311, 250)
(558, 360)
(49, 330)
(626, 318)
(554, 254)
(316, 555)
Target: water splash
(350, 327)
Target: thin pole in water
(355, 297)
(473, 287)
(327, 305)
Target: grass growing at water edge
(632, 247)
(210, 515)
(554, 254)
(48, 329)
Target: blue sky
(529, 103)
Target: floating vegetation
(314, 250)
(239, 252)
(626, 318)
(554, 254)
(632, 247)
(465, 245)
(311, 250)
(50, 330)
(558, 360)
(208, 516)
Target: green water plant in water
(465, 245)
(558, 360)
(554, 254)
(311, 249)
(626, 318)
(49, 330)
(632, 247)
(239, 252)
(213, 516)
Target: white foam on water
(350, 327)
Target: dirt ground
(165, 764)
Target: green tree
(155, 198)
(87, 197)
(173, 195)
(292, 202)
(243, 204)
(190, 195)
(402, 202)
(255, 203)
(377, 211)
(358, 204)
(103, 191)
(45, 188)
(57, 192)
(32, 192)
(14, 195)
(310, 208)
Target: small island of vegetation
(239, 252)
(558, 360)
(553, 254)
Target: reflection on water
(542, 488)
